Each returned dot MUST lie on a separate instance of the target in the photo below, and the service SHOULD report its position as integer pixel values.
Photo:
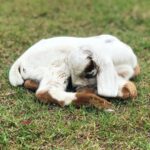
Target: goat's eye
(90, 74)
(91, 70)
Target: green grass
(26, 124)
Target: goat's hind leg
(31, 85)
(127, 72)
(129, 90)
(137, 71)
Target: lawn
(27, 124)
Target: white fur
(52, 61)
(15, 77)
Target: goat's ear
(107, 80)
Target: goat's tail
(15, 77)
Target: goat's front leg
(63, 98)
(51, 91)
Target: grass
(26, 124)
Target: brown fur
(85, 96)
(31, 85)
(137, 70)
(92, 99)
(45, 97)
(86, 90)
(129, 90)
(82, 98)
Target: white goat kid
(103, 60)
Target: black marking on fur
(70, 87)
